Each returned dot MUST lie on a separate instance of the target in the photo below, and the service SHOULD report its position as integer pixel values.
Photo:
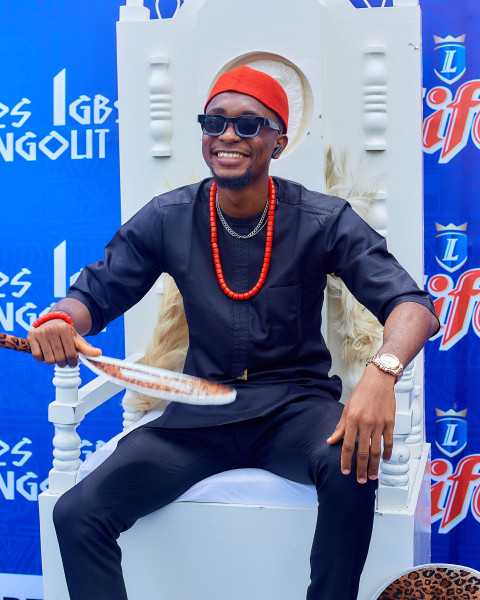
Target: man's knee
(327, 465)
(326, 458)
(72, 517)
(65, 512)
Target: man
(250, 257)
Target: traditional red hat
(261, 86)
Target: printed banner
(451, 140)
(60, 205)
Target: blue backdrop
(452, 266)
(60, 203)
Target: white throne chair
(354, 78)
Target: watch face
(390, 361)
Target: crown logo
(449, 39)
(451, 227)
(451, 413)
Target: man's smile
(222, 154)
(229, 158)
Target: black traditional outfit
(286, 407)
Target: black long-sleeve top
(275, 336)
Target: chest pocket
(284, 307)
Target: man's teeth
(229, 155)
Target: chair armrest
(66, 412)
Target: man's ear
(282, 142)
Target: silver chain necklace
(260, 225)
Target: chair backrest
(353, 76)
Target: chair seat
(249, 487)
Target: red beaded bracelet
(54, 315)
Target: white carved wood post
(160, 106)
(393, 491)
(134, 11)
(130, 414)
(415, 439)
(375, 98)
(66, 413)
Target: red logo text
(457, 305)
(455, 494)
(454, 120)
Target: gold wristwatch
(388, 363)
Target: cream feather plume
(357, 327)
(168, 347)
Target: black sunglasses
(245, 125)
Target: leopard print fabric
(434, 583)
(14, 343)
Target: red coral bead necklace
(268, 245)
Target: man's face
(238, 162)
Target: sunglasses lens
(247, 126)
(244, 126)
(214, 124)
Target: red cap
(251, 82)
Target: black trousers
(152, 466)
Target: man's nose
(230, 133)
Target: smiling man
(250, 255)
(242, 163)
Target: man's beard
(234, 183)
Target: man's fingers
(375, 454)
(363, 457)
(63, 346)
(348, 448)
(36, 350)
(55, 343)
(49, 354)
(370, 417)
(83, 346)
(58, 343)
(69, 350)
(41, 347)
(58, 351)
(68, 354)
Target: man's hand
(57, 342)
(369, 415)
